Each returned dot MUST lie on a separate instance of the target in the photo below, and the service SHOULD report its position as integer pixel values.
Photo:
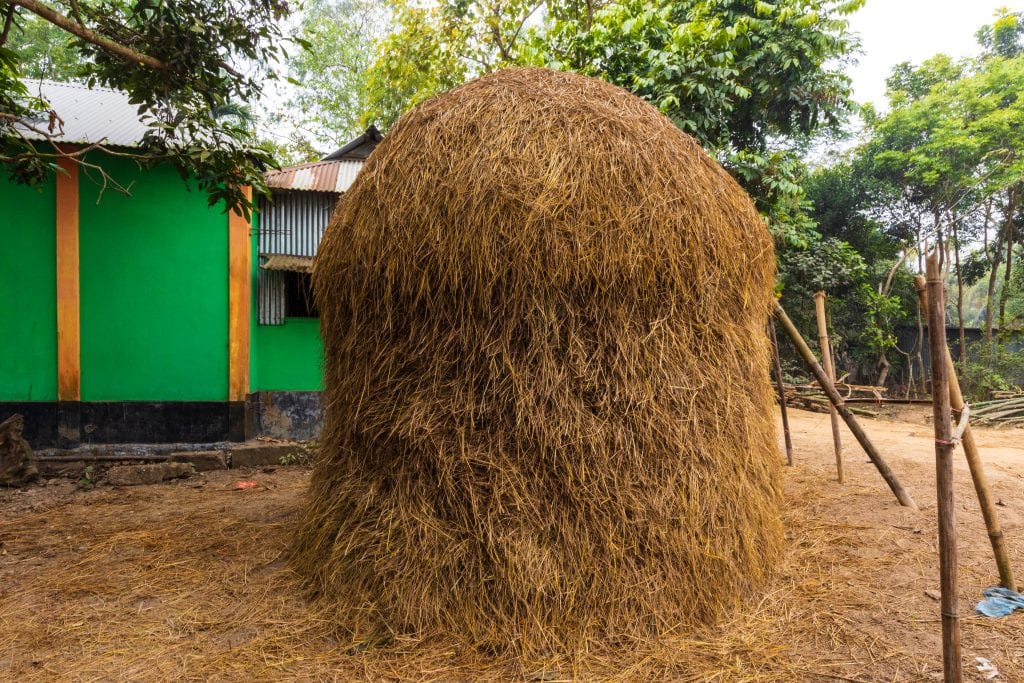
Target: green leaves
(204, 58)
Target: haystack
(548, 419)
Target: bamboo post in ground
(830, 390)
(777, 366)
(981, 487)
(826, 359)
(951, 665)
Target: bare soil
(186, 581)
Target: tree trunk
(1011, 238)
(997, 258)
(962, 356)
(884, 288)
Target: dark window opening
(298, 296)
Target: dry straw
(548, 418)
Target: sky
(894, 31)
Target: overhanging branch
(88, 35)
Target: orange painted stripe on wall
(69, 371)
(239, 303)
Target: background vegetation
(760, 84)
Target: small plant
(297, 457)
(88, 479)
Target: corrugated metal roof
(91, 115)
(319, 176)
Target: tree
(947, 156)
(330, 75)
(433, 48)
(181, 62)
(45, 51)
(752, 81)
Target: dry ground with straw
(186, 581)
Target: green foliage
(774, 181)
(181, 62)
(44, 50)
(752, 81)
(1004, 37)
(331, 75)
(995, 367)
(881, 312)
(829, 265)
(423, 56)
(733, 73)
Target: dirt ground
(186, 581)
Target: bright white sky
(894, 31)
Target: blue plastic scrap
(999, 602)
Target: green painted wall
(28, 281)
(286, 357)
(154, 290)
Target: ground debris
(17, 461)
(154, 473)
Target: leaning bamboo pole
(830, 390)
(826, 358)
(777, 367)
(981, 487)
(951, 664)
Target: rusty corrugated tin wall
(292, 224)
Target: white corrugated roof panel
(90, 115)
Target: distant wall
(907, 335)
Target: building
(287, 351)
(153, 318)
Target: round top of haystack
(529, 171)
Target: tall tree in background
(327, 106)
(436, 46)
(947, 155)
(184, 63)
(753, 81)
(45, 51)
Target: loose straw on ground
(826, 358)
(830, 390)
(951, 665)
(978, 476)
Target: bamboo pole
(981, 487)
(777, 366)
(858, 432)
(826, 357)
(951, 664)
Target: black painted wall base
(69, 424)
